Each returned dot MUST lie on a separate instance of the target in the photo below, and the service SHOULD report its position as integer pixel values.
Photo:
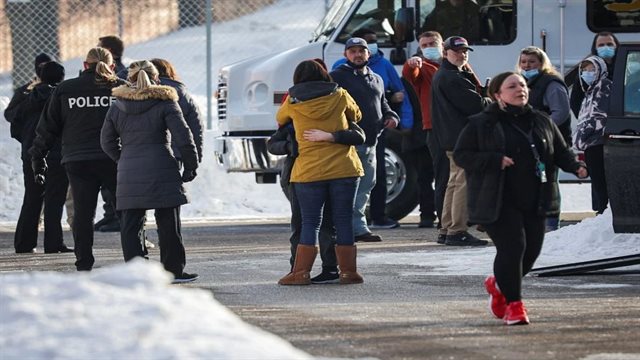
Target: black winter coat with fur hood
(138, 132)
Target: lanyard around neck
(529, 137)
(540, 169)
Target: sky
(145, 301)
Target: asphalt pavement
(397, 313)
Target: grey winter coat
(593, 112)
(136, 135)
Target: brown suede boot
(346, 255)
(305, 255)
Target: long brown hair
(165, 68)
(310, 70)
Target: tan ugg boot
(299, 275)
(346, 255)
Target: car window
(613, 16)
(489, 22)
(374, 15)
(632, 84)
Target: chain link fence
(172, 29)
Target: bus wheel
(402, 181)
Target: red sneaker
(516, 314)
(497, 301)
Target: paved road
(398, 313)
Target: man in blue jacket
(399, 102)
(367, 89)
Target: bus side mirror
(403, 25)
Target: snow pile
(127, 311)
(591, 239)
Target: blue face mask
(530, 73)
(432, 53)
(606, 52)
(588, 77)
(373, 48)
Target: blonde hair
(102, 59)
(546, 67)
(141, 73)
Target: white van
(250, 92)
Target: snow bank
(591, 239)
(128, 311)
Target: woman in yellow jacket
(324, 171)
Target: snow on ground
(127, 311)
(591, 239)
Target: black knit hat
(52, 73)
(41, 59)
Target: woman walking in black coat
(510, 153)
(138, 132)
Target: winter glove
(39, 167)
(188, 175)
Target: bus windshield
(328, 25)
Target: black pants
(422, 162)
(109, 205)
(52, 195)
(594, 157)
(172, 253)
(378, 197)
(326, 237)
(518, 237)
(86, 178)
(440, 171)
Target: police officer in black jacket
(75, 113)
(52, 194)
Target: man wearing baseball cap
(367, 89)
(455, 97)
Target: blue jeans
(367, 155)
(312, 197)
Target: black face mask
(514, 110)
(357, 67)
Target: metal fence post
(209, 64)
